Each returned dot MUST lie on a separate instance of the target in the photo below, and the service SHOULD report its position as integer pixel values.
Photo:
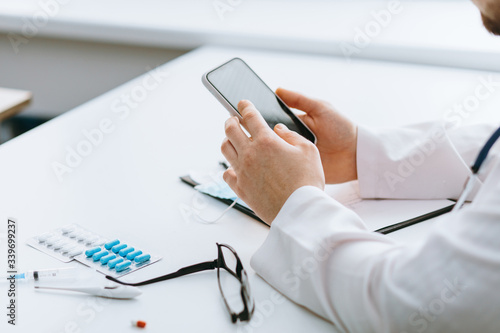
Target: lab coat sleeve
(320, 255)
(423, 161)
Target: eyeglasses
(231, 276)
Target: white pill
(59, 245)
(100, 242)
(53, 240)
(75, 252)
(68, 247)
(83, 236)
(43, 237)
(91, 239)
(74, 233)
(68, 228)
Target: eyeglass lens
(229, 282)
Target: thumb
(298, 101)
(290, 137)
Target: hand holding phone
(234, 81)
(337, 135)
(267, 167)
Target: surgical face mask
(217, 187)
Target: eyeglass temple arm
(204, 266)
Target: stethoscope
(469, 185)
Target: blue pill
(99, 255)
(143, 258)
(126, 251)
(123, 266)
(91, 252)
(109, 245)
(134, 254)
(112, 263)
(118, 247)
(105, 259)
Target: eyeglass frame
(218, 263)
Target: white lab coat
(320, 254)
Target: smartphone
(235, 80)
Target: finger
(291, 137)
(230, 178)
(252, 119)
(307, 119)
(298, 101)
(228, 151)
(235, 133)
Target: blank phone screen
(235, 81)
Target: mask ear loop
(201, 219)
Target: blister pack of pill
(110, 256)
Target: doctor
(320, 254)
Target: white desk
(128, 186)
